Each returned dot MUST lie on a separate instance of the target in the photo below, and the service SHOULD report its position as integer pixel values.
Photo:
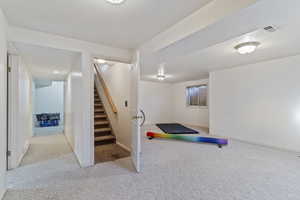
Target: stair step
(99, 110)
(100, 116)
(102, 130)
(100, 123)
(105, 142)
(98, 130)
(103, 138)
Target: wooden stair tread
(102, 130)
(102, 138)
(101, 122)
(100, 115)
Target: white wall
(79, 110)
(68, 111)
(117, 79)
(166, 103)
(3, 95)
(50, 100)
(258, 103)
(86, 102)
(191, 115)
(156, 101)
(73, 118)
(20, 110)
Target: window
(196, 95)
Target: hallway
(45, 148)
(47, 155)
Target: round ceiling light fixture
(161, 72)
(161, 77)
(115, 2)
(247, 47)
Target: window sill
(197, 107)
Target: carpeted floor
(171, 170)
(43, 148)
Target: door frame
(135, 111)
(7, 111)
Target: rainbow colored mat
(219, 141)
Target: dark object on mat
(176, 129)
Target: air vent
(270, 29)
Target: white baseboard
(26, 147)
(264, 145)
(2, 193)
(69, 142)
(16, 161)
(124, 146)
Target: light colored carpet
(44, 148)
(110, 152)
(171, 170)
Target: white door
(135, 115)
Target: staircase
(102, 128)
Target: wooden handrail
(106, 91)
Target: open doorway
(111, 111)
(117, 117)
(37, 124)
(47, 141)
(48, 107)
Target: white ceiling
(127, 25)
(221, 56)
(213, 48)
(42, 62)
(136, 21)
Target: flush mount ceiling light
(115, 1)
(56, 72)
(161, 77)
(161, 73)
(247, 47)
